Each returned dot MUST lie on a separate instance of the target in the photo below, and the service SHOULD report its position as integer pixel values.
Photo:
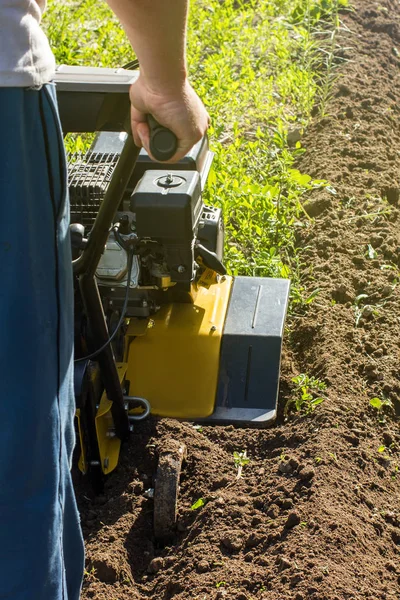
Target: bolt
(106, 462)
(94, 463)
(170, 178)
(213, 328)
(144, 303)
(223, 278)
(111, 433)
(181, 269)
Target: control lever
(209, 259)
(78, 240)
(163, 142)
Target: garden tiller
(159, 325)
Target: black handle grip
(163, 142)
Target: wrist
(169, 84)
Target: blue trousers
(41, 547)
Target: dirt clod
(292, 520)
(155, 565)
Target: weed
(306, 394)
(380, 403)
(198, 504)
(362, 311)
(240, 460)
(220, 584)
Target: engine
(164, 236)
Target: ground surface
(316, 513)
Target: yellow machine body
(173, 358)
(109, 444)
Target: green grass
(260, 66)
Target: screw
(181, 269)
(169, 178)
(223, 278)
(213, 328)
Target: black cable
(122, 317)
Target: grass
(260, 67)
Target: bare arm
(157, 32)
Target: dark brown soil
(316, 514)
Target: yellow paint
(175, 364)
(208, 278)
(109, 447)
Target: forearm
(157, 32)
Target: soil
(316, 513)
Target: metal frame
(85, 267)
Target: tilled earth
(316, 513)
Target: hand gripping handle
(163, 142)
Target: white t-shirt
(25, 56)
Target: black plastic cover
(168, 207)
(251, 352)
(167, 211)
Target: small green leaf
(316, 401)
(198, 504)
(376, 403)
(313, 295)
(381, 449)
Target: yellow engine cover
(173, 358)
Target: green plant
(380, 403)
(333, 456)
(362, 310)
(198, 504)
(306, 394)
(240, 460)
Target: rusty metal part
(167, 489)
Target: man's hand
(180, 110)
(157, 32)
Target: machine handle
(209, 259)
(163, 142)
